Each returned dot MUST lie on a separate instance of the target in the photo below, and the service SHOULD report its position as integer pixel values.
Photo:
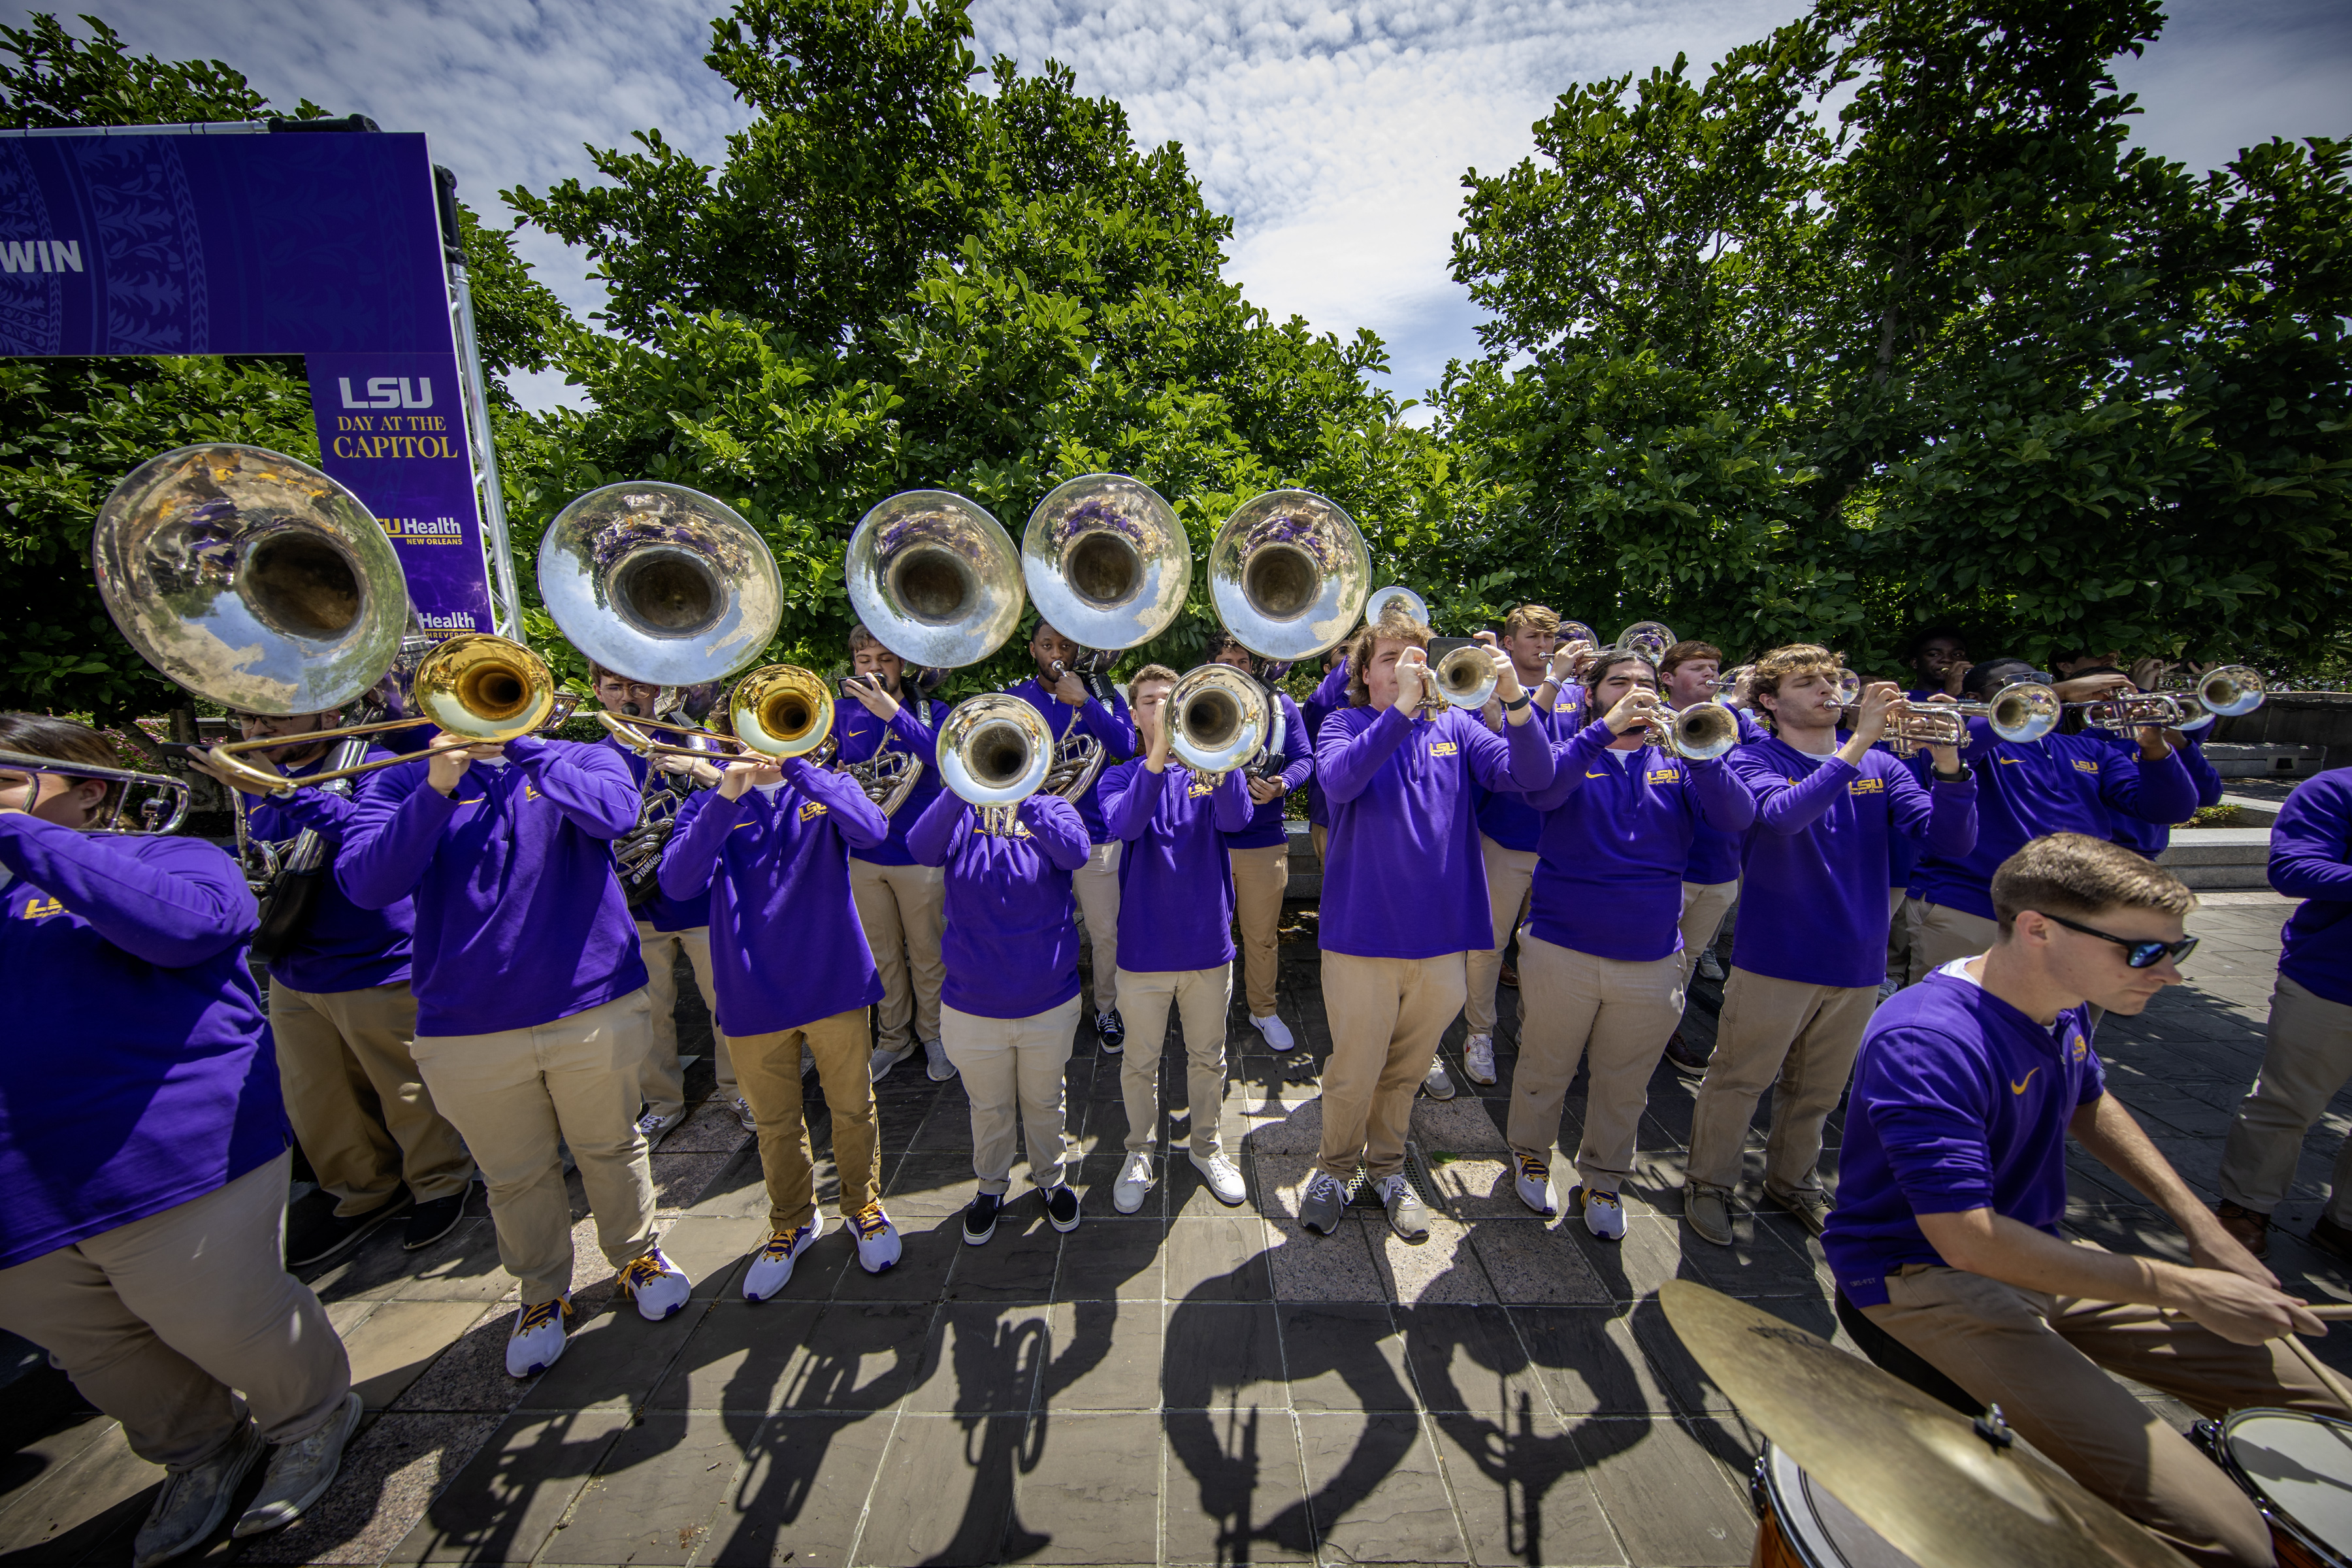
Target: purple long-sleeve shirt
(2060, 783)
(1406, 878)
(913, 729)
(1265, 829)
(1505, 815)
(2153, 838)
(519, 919)
(1330, 695)
(1175, 881)
(1011, 948)
(137, 1073)
(1617, 834)
(1112, 726)
(342, 946)
(1715, 853)
(661, 912)
(1812, 899)
(2311, 860)
(786, 948)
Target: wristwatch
(1514, 707)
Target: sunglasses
(2138, 952)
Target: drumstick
(2332, 1311)
(2328, 1379)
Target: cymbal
(1909, 1467)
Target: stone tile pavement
(1190, 1386)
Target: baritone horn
(1217, 720)
(995, 753)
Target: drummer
(1953, 1187)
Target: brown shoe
(1687, 1060)
(2327, 1233)
(2249, 1229)
(1810, 1204)
(1509, 976)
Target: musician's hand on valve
(746, 775)
(1880, 700)
(1152, 722)
(1265, 788)
(1069, 688)
(1565, 659)
(1415, 686)
(872, 695)
(1507, 674)
(1638, 707)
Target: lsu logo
(2086, 766)
(529, 790)
(1199, 787)
(2078, 1049)
(39, 909)
(1663, 775)
(811, 810)
(1443, 748)
(1866, 786)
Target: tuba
(1651, 639)
(1288, 575)
(995, 751)
(1217, 720)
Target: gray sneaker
(300, 1471)
(1321, 1210)
(936, 1066)
(1407, 1216)
(194, 1502)
(878, 1066)
(1708, 1210)
(1438, 1085)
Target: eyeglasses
(2138, 952)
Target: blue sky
(1336, 136)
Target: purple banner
(328, 245)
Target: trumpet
(994, 753)
(2129, 711)
(161, 814)
(1698, 733)
(2233, 690)
(1217, 720)
(1463, 676)
(2024, 711)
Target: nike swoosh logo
(2017, 1085)
(1592, 775)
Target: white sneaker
(1134, 1181)
(1225, 1184)
(1604, 1216)
(877, 1239)
(745, 1117)
(772, 1265)
(1437, 1085)
(659, 1287)
(935, 1062)
(1709, 966)
(1277, 1032)
(653, 1126)
(878, 1066)
(1479, 1058)
(1535, 1188)
(539, 1337)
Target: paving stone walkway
(1191, 1385)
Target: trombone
(778, 710)
(994, 753)
(170, 803)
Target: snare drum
(2298, 1471)
(1798, 1525)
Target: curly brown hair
(1778, 663)
(1396, 625)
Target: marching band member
(1811, 949)
(1328, 697)
(1259, 856)
(2026, 790)
(1175, 942)
(2309, 1053)
(1404, 896)
(666, 926)
(146, 1161)
(1600, 961)
(1056, 692)
(1938, 660)
(344, 1020)
(771, 847)
(532, 1017)
(1009, 1005)
(1508, 827)
(1953, 1187)
(2149, 839)
(902, 905)
(1686, 675)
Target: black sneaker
(1111, 1031)
(1062, 1207)
(1687, 1062)
(320, 1234)
(429, 1222)
(980, 1219)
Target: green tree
(1966, 351)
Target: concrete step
(2265, 759)
(2217, 858)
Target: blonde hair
(1153, 672)
(2075, 874)
(1396, 625)
(1531, 618)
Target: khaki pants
(1704, 906)
(1096, 883)
(1260, 879)
(770, 1069)
(1801, 1038)
(518, 1095)
(1898, 935)
(1386, 1015)
(1940, 933)
(2039, 1357)
(1321, 836)
(1200, 997)
(904, 909)
(157, 1321)
(1509, 873)
(1622, 1012)
(359, 1107)
(1009, 1064)
(2307, 1059)
(661, 1082)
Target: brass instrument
(1573, 632)
(2025, 710)
(1396, 594)
(1107, 563)
(935, 578)
(1218, 720)
(2232, 691)
(778, 710)
(1698, 733)
(2129, 711)
(1651, 639)
(1465, 677)
(995, 751)
(157, 816)
(891, 774)
(660, 582)
(1288, 575)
